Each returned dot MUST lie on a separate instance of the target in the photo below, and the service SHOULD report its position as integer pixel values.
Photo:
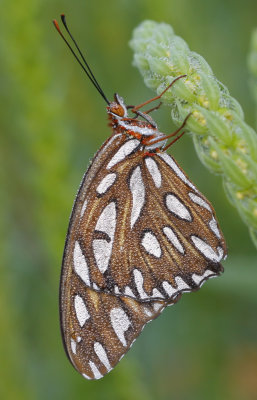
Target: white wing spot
(102, 252)
(120, 323)
(101, 353)
(214, 227)
(156, 293)
(83, 208)
(139, 281)
(95, 286)
(106, 183)
(169, 160)
(125, 150)
(107, 221)
(207, 250)
(177, 207)
(138, 194)
(128, 291)
(102, 248)
(81, 310)
(80, 264)
(157, 306)
(138, 129)
(198, 200)
(116, 290)
(86, 376)
(151, 244)
(154, 171)
(73, 346)
(172, 237)
(170, 290)
(199, 278)
(182, 285)
(97, 374)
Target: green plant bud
(219, 125)
(211, 91)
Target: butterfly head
(117, 108)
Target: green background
(52, 122)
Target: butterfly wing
(102, 327)
(140, 234)
(175, 243)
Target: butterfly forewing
(140, 234)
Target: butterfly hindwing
(102, 327)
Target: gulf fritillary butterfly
(140, 235)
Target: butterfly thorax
(144, 130)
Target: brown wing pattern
(140, 234)
(102, 327)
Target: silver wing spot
(214, 227)
(97, 374)
(199, 278)
(156, 293)
(120, 323)
(106, 183)
(198, 200)
(128, 292)
(82, 313)
(101, 353)
(80, 264)
(137, 189)
(181, 285)
(83, 208)
(102, 248)
(151, 244)
(176, 206)
(73, 346)
(173, 239)
(86, 376)
(139, 281)
(125, 150)
(207, 250)
(154, 171)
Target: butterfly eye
(117, 109)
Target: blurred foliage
(52, 122)
(252, 65)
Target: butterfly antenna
(85, 67)
(63, 18)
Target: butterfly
(140, 235)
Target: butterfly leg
(153, 109)
(172, 135)
(148, 111)
(173, 141)
(159, 96)
(145, 115)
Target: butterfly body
(140, 235)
